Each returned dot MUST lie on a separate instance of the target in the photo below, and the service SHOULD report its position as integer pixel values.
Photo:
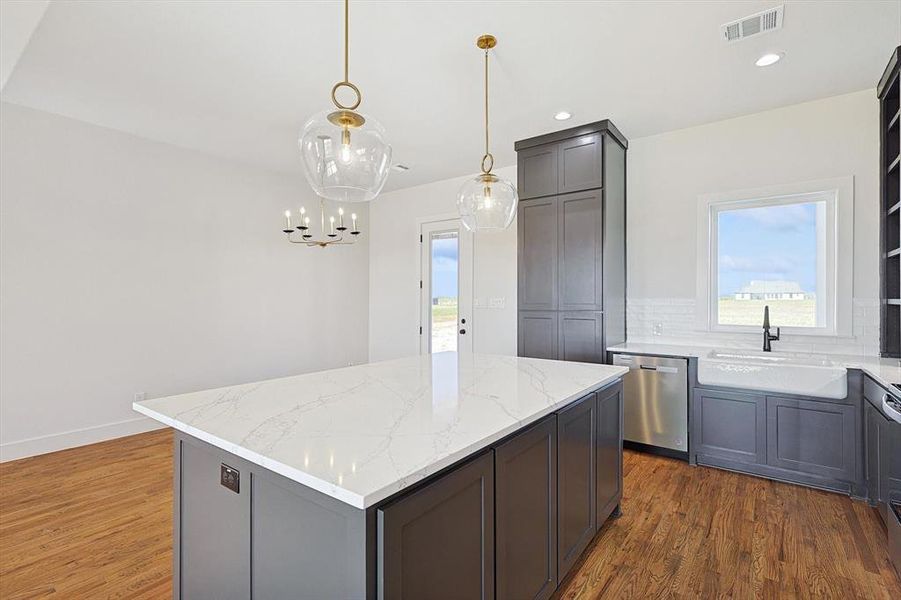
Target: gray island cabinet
(491, 476)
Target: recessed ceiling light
(563, 115)
(769, 59)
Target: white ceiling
(237, 79)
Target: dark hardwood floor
(95, 522)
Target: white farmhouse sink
(783, 372)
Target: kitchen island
(439, 476)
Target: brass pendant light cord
(346, 40)
(346, 83)
(486, 43)
(486, 102)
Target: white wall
(131, 266)
(829, 138)
(394, 272)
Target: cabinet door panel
(537, 254)
(536, 171)
(526, 515)
(579, 161)
(582, 337)
(873, 421)
(214, 560)
(576, 499)
(438, 542)
(890, 461)
(580, 239)
(730, 425)
(609, 451)
(537, 334)
(812, 437)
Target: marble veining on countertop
(362, 433)
(886, 371)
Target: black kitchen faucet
(767, 336)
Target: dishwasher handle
(659, 369)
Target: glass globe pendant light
(487, 202)
(346, 157)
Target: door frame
(425, 225)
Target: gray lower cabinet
(525, 479)
(537, 334)
(609, 459)
(890, 461)
(438, 542)
(882, 442)
(581, 336)
(810, 436)
(873, 424)
(811, 441)
(576, 480)
(214, 533)
(729, 425)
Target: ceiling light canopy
(563, 115)
(346, 156)
(769, 59)
(487, 202)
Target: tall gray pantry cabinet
(572, 243)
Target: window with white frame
(789, 251)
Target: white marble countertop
(884, 370)
(359, 434)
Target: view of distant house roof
(772, 287)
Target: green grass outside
(445, 311)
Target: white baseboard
(71, 439)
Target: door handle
(462, 332)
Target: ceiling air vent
(762, 22)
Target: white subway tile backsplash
(672, 320)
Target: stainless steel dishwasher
(655, 406)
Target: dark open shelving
(889, 92)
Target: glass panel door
(446, 287)
(445, 295)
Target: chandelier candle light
(346, 157)
(487, 202)
(332, 236)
